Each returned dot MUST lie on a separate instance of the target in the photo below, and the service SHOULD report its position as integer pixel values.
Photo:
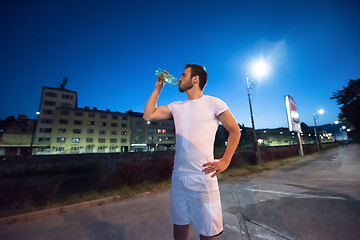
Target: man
(195, 196)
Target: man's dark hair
(200, 71)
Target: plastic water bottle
(168, 77)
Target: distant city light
(336, 122)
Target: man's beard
(186, 87)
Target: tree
(349, 100)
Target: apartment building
(85, 130)
(151, 136)
(16, 136)
(51, 98)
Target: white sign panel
(292, 115)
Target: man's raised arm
(152, 112)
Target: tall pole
(255, 142)
(316, 136)
(33, 131)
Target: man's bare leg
(181, 232)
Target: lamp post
(255, 142)
(33, 131)
(259, 69)
(318, 143)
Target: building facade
(85, 130)
(16, 137)
(151, 136)
(51, 98)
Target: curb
(58, 210)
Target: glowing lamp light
(260, 68)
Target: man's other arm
(229, 122)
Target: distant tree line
(349, 100)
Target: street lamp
(259, 69)
(255, 142)
(34, 129)
(318, 143)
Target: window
(67, 105)
(101, 148)
(46, 120)
(64, 112)
(50, 94)
(161, 130)
(45, 130)
(77, 122)
(76, 140)
(63, 121)
(113, 140)
(102, 132)
(59, 149)
(47, 111)
(124, 125)
(89, 139)
(66, 96)
(123, 140)
(49, 103)
(113, 132)
(114, 147)
(75, 149)
(60, 139)
(123, 133)
(89, 147)
(102, 124)
(44, 139)
(114, 124)
(91, 115)
(124, 117)
(62, 130)
(77, 131)
(114, 117)
(101, 140)
(80, 114)
(91, 122)
(90, 131)
(103, 115)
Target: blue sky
(109, 51)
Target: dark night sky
(109, 51)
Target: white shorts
(196, 199)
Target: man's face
(185, 82)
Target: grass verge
(146, 187)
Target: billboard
(292, 115)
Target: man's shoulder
(212, 98)
(176, 103)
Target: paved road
(317, 198)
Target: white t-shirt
(196, 124)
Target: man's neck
(193, 95)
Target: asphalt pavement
(315, 198)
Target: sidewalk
(143, 217)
